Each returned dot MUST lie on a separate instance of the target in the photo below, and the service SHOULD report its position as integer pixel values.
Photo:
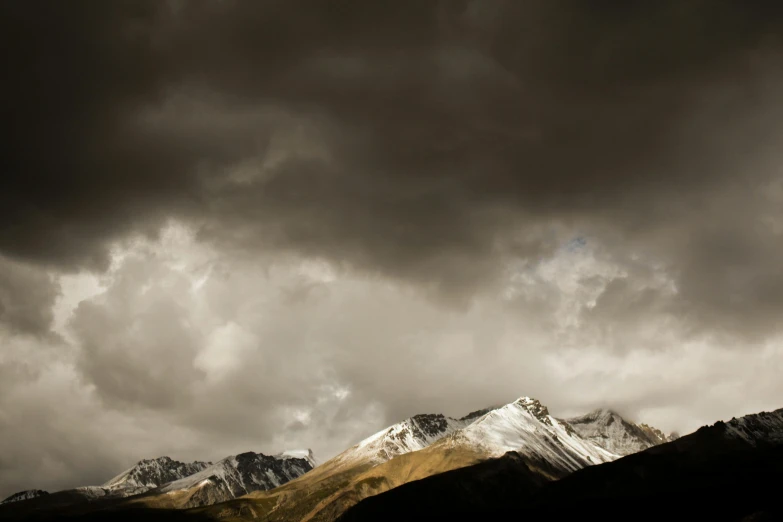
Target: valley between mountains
(516, 461)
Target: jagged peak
(528, 402)
(534, 407)
(160, 460)
(427, 416)
(164, 460)
(254, 454)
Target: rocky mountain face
(238, 475)
(24, 495)
(151, 473)
(610, 431)
(729, 471)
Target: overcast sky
(259, 225)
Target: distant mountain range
(181, 484)
(432, 466)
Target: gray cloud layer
(432, 158)
(420, 140)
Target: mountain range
(727, 471)
(182, 485)
(479, 464)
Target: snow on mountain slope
(613, 433)
(24, 495)
(151, 473)
(412, 434)
(526, 427)
(240, 474)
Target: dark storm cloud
(426, 141)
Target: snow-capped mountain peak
(535, 408)
(151, 473)
(609, 430)
(525, 426)
(241, 474)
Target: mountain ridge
(324, 494)
(726, 471)
(237, 475)
(293, 486)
